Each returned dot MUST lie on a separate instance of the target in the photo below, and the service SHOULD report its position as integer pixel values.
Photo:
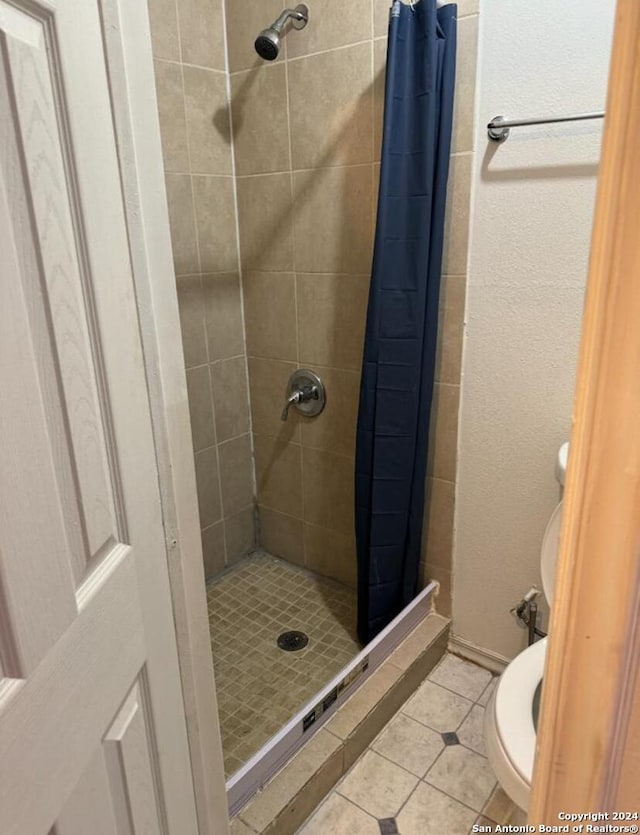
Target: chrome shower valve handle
(302, 395)
(306, 392)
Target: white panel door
(92, 726)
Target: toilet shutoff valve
(526, 614)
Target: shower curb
(290, 797)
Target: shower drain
(292, 641)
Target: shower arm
(286, 14)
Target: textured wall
(531, 226)
(191, 82)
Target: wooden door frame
(588, 757)
(131, 77)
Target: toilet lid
(549, 553)
(514, 707)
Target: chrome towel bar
(498, 128)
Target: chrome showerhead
(267, 43)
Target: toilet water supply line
(526, 611)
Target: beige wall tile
(173, 129)
(266, 224)
(240, 534)
(245, 20)
(194, 342)
(278, 475)
(332, 23)
(268, 385)
(236, 476)
(331, 107)
(381, 9)
(213, 551)
(215, 223)
(374, 196)
(379, 76)
(208, 126)
(334, 429)
(164, 29)
(450, 329)
(200, 407)
(208, 487)
(443, 431)
(456, 227)
(331, 554)
(437, 539)
(281, 535)
(467, 7)
(328, 490)
(333, 219)
(463, 101)
(230, 398)
(182, 224)
(259, 108)
(332, 310)
(202, 33)
(223, 315)
(270, 315)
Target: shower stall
(271, 142)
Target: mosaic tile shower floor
(260, 686)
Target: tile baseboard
(479, 655)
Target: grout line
(199, 174)
(233, 438)
(455, 692)
(219, 444)
(179, 32)
(342, 455)
(311, 54)
(318, 365)
(213, 362)
(186, 63)
(295, 296)
(319, 168)
(340, 48)
(199, 260)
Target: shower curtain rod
(498, 129)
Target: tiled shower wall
(191, 82)
(441, 480)
(306, 145)
(307, 133)
(306, 138)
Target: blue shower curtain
(402, 319)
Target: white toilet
(509, 723)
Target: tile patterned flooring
(259, 686)
(426, 773)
